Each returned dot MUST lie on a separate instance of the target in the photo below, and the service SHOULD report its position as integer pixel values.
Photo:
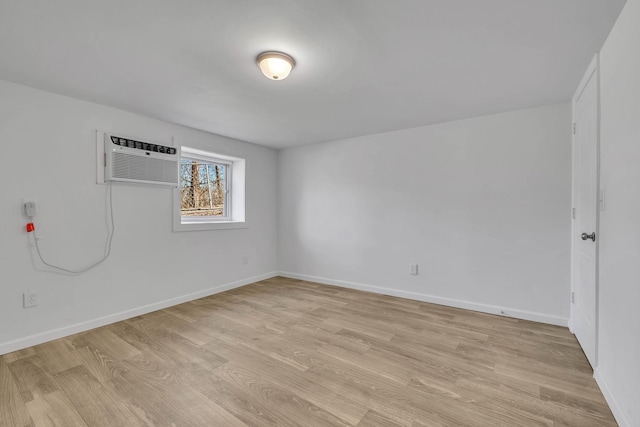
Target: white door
(585, 191)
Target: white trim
(467, 305)
(208, 226)
(592, 72)
(195, 153)
(588, 74)
(210, 159)
(19, 344)
(609, 396)
(236, 180)
(592, 68)
(100, 157)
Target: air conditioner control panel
(145, 146)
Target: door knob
(591, 236)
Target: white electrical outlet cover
(30, 209)
(29, 299)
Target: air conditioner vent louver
(132, 164)
(140, 168)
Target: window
(210, 194)
(204, 190)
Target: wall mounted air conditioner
(130, 160)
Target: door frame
(592, 70)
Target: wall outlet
(29, 299)
(413, 269)
(30, 209)
(245, 259)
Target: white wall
(48, 148)
(618, 370)
(482, 205)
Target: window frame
(234, 194)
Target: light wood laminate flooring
(285, 352)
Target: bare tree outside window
(203, 188)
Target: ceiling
(363, 66)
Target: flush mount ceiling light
(275, 65)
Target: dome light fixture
(275, 65)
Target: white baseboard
(468, 305)
(19, 344)
(615, 407)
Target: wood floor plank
(493, 396)
(32, 380)
(286, 352)
(166, 397)
(54, 410)
(17, 355)
(247, 357)
(576, 403)
(106, 341)
(375, 419)
(57, 356)
(101, 366)
(355, 323)
(239, 403)
(299, 409)
(94, 403)
(13, 411)
(573, 382)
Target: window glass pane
(203, 189)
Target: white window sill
(206, 226)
